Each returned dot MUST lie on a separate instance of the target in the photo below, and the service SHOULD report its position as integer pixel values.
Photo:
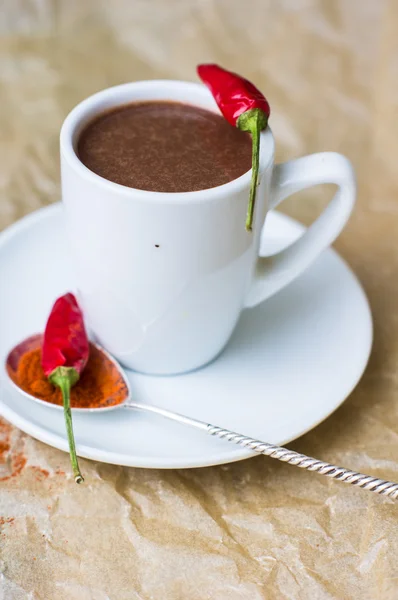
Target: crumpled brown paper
(256, 529)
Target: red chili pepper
(65, 353)
(245, 107)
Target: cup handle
(272, 273)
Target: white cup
(163, 277)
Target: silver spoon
(366, 482)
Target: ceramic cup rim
(156, 89)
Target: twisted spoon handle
(366, 482)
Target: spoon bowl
(33, 343)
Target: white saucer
(291, 362)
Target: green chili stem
(253, 121)
(64, 378)
(255, 131)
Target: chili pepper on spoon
(65, 353)
(243, 106)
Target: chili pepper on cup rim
(243, 106)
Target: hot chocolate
(164, 146)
